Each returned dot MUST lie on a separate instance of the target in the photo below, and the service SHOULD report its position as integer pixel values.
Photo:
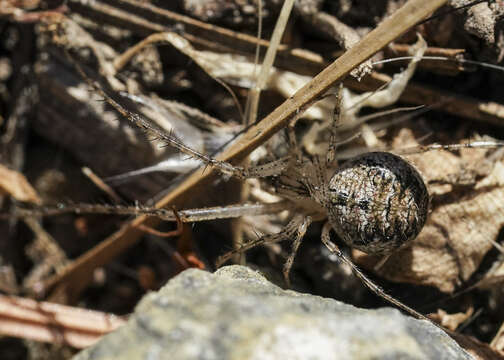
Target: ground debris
(14, 184)
(70, 128)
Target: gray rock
(236, 313)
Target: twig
(268, 60)
(54, 323)
(451, 68)
(102, 185)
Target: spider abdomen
(377, 202)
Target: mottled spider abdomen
(377, 202)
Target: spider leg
(185, 216)
(272, 168)
(293, 145)
(336, 122)
(290, 229)
(301, 231)
(451, 147)
(177, 232)
(269, 169)
(315, 179)
(326, 239)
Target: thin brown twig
(268, 61)
(451, 68)
(101, 184)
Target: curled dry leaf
(15, 184)
(463, 223)
(451, 321)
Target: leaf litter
(451, 254)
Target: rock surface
(236, 313)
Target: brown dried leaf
(451, 321)
(498, 340)
(461, 227)
(15, 184)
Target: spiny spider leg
(293, 147)
(333, 248)
(450, 147)
(269, 169)
(291, 229)
(186, 216)
(301, 231)
(336, 121)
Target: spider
(375, 202)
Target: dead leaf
(498, 340)
(451, 321)
(15, 184)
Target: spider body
(377, 202)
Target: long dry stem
(269, 59)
